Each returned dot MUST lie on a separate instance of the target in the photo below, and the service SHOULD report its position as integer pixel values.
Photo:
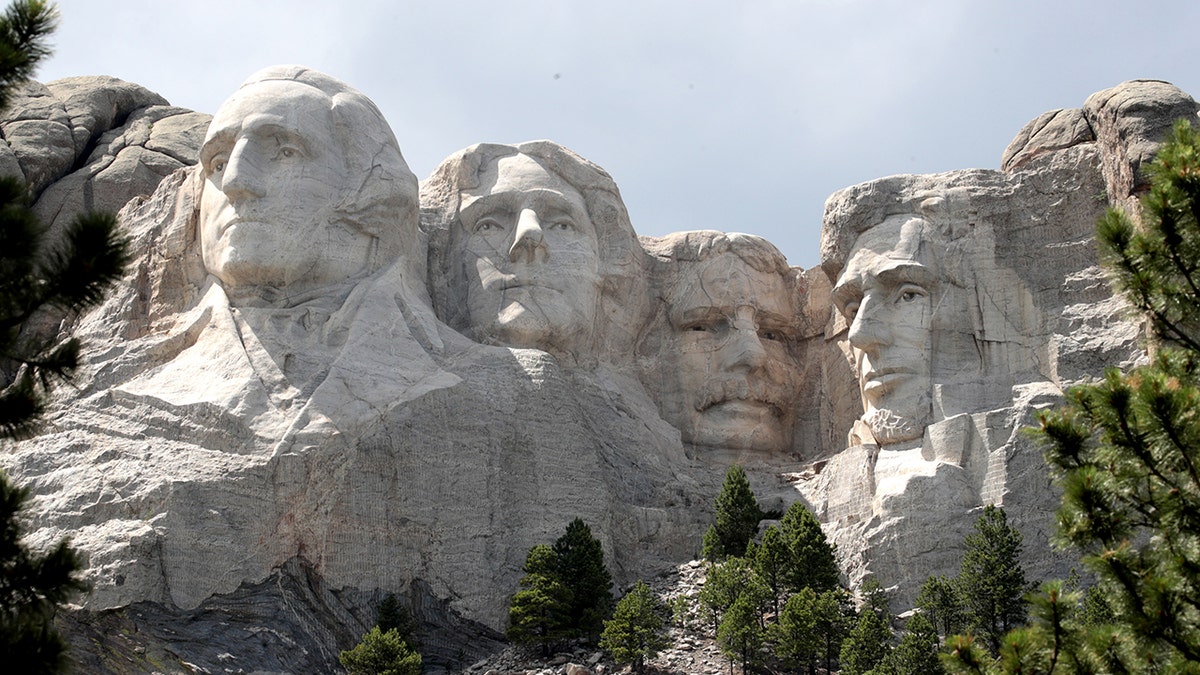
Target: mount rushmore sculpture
(320, 375)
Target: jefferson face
(273, 171)
(732, 327)
(531, 256)
(886, 294)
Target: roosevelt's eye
(770, 334)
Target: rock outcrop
(301, 398)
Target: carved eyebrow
(910, 273)
(221, 139)
(695, 315)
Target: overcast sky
(737, 116)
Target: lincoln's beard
(889, 428)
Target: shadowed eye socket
(850, 310)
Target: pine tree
(540, 611)
(992, 581)
(795, 633)
(738, 515)
(833, 615)
(393, 616)
(812, 559)
(940, 601)
(917, 653)
(32, 586)
(869, 642)
(381, 653)
(38, 276)
(637, 631)
(770, 559)
(740, 634)
(1126, 450)
(580, 568)
(725, 583)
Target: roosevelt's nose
(527, 238)
(868, 331)
(242, 177)
(743, 350)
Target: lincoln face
(886, 293)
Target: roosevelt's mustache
(742, 389)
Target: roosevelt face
(886, 294)
(272, 173)
(531, 256)
(737, 378)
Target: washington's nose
(241, 178)
(527, 238)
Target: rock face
(321, 382)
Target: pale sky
(732, 116)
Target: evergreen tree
(770, 559)
(940, 601)
(812, 559)
(738, 516)
(992, 582)
(381, 653)
(917, 653)
(875, 599)
(37, 277)
(393, 616)
(580, 567)
(869, 642)
(32, 586)
(740, 634)
(540, 611)
(727, 582)
(1125, 449)
(833, 615)
(637, 630)
(794, 634)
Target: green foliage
(637, 630)
(869, 642)
(992, 583)
(581, 569)
(24, 29)
(32, 587)
(812, 559)
(875, 598)
(771, 560)
(939, 600)
(710, 547)
(393, 616)
(795, 633)
(381, 653)
(540, 611)
(1125, 449)
(917, 653)
(740, 633)
(738, 516)
(725, 583)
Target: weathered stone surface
(303, 397)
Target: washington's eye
(218, 166)
(562, 225)
(850, 310)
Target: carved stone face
(531, 256)
(273, 171)
(732, 327)
(887, 295)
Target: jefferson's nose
(527, 239)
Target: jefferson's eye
(288, 152)
(487, 225)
